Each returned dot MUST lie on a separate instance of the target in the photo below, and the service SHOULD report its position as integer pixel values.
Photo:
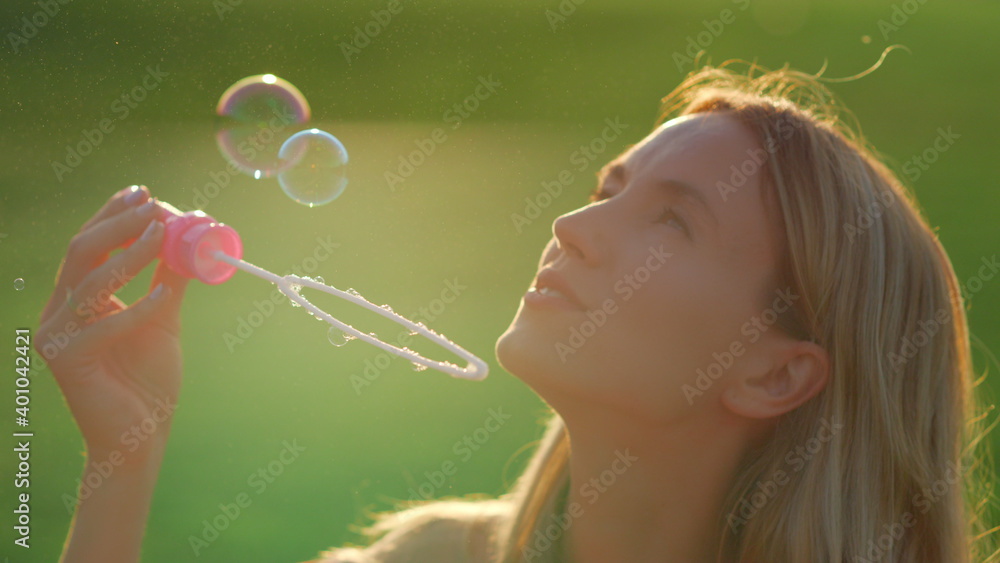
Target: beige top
(461, 534)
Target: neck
(644, 492)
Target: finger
(93, 299)
(121, 201)
(131, 196)
(91, 313)
(90, 248)
(64, 327)
(94, 291)
(176, 282)
(112, 327)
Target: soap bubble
(19, 284)
(257, 113)
(338, 337)
(313, 167)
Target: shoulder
(341, 555)
(449, 531)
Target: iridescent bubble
(257, 113)
(313, 169)
(19, 284)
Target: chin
(513, 352)
(520, 349)
(532, 360)
(528, 350)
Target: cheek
(682, 314)
(660, 316)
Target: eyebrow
(617, 171)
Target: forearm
(109, 523)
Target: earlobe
(801, 376)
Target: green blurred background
(450, 220)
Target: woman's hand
(118, 366)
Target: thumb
(123, 322)
(176, 283)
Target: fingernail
(148, 233)
(134, 195)
(157, 291)
(147, 208)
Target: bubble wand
(196, 246)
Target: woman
(754, 346)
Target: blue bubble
(313, 167)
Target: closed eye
(669, 216)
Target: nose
(576, 234)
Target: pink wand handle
(190, 241)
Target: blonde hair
(904, 481)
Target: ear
(800, 373)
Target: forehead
(698, 135)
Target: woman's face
(669, 271)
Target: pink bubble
(258, 113)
